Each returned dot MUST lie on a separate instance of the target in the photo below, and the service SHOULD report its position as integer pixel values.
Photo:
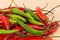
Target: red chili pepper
(21, 8)
(2, 36)
(32, 38)
(40, 14)
(18, 27)
(34, 26)
(14, 38)
(54, 23)
(46, 24)
(48, 39)
(1, 24)
(8, 12)
(46, 33)
(5, 21)
(53, 30)
(0, 12)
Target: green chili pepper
(12, 21)
(33, 31)
(7, 31)
(32, 21)
(17, 16)
(17, 11)
(29, 15)
(33, 14)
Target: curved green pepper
(17, 11)
(7, 31)
(12, 21)
(33, 31)
(29, 15)
(33, 14)
(32, 21)
(17, 16)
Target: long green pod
(17, 16)
(33, 14)
(17, 11)
(33, 31)
(32, 21)
(29, 15)
(7, 31)
(12, 21)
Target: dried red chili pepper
(5, 21)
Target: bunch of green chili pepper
(7, 25)
(28, 16)
(22, 18)
(33, 31)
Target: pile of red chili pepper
(25, 24)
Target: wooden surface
(32, 4)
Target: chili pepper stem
(58, 21)
(19, 34)
(50, 22)
(51, 36)
(44, 7)
(52, 9)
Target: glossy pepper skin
(7, 31)
(18, 27)
(24, 20)
(33, 31)
(32, 38)
(32, 21)
(48, 39)
(12, 21)
(17, 11)
(34, 26)
(51, 30)
(14, 38)
(33, 14)
(29, 15)
(40, 14)
(5, 21)
(2, 36)
(18, 17)
(54, 23)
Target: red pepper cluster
(6, 24)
